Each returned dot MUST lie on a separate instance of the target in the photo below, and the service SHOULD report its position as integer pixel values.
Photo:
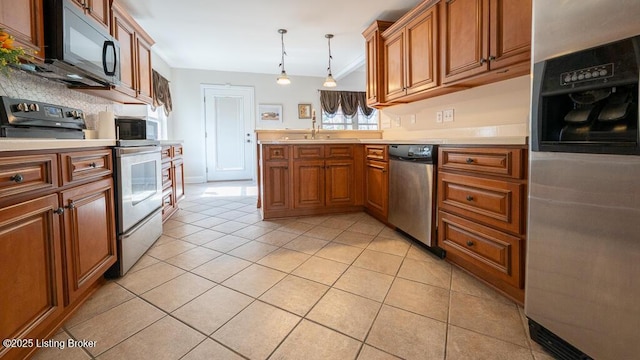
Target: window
(359, 121)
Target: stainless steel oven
(138, 202)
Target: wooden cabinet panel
(23, 19)
(375, 62)
(465, 38)
(421, 52)
(338, 151)
(178, 179)
(507, 162)
(510, 32)
(339, 182)
(24, 175)
(166, 153)
(99, 10)
(481, 248)
(308, 151)
(90, 239)
(144, 68)
(167, 177)
(85, 165)
(394, 69)
(493, 202)
(308, 184)
(376, 152)
(167, 204)
(276, 185)
(377, 188)
(31, 290)
(122, 31)
(172, 178)
(276, 152)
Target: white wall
(187, 120)
(499, 109)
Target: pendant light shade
(283, 79)
(329, 81)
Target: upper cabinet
(479, 36)
(24, 20)
(135, 57)
(375, 66)
(410, 53)
(96, 9)
(442, 46)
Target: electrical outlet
(397, 121)
(439, 117)
(447, 115)
(412, 118)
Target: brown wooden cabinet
(135, 57)
(310, 179)
(98, 10)
(31, 284)
(172, 178)
(480, 36)
(57, 237)
(376, 195)
(24, 20)
(410, 53)
(374, 60)
(482, 213)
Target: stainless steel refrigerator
(582, 293)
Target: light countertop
(13, 144)
(502, 140)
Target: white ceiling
(242, 35)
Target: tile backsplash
(18, 84)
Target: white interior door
(229, 124)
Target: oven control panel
(598, 72)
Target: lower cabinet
(31, 285)
(172, 179)
(56, 242)
(482, 195)
(90, 239)
(376, 193)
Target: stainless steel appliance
(137, 128)
(583, 243)
(138, 203)
(21, 118)
(79, 51)
(412, 192)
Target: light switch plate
(439, 117)
(397, 121)
(447, 115)
(412, 118)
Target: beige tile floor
(222, 284)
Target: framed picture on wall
(304, 111)
(270, 112)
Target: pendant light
(283, 79)
(329, 81)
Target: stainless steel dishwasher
(412, 192)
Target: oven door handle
(109, 44)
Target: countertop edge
(502, 140)
(52, 144)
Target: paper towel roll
(106, 125)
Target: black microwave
(79, 51)
(136, 128)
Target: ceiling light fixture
(329, 81)
(283, 79)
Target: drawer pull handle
(470, 161)
(469, 243)
(469, 198)
(71, 206)
(93, 165)
(17, 178)
(58, 211)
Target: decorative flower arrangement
(9, 55)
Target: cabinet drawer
(376, 152)
(478, 248)
(177, 151)
(338, 151)
(308, 151)
(25, 174)
(167, 179)
(166, 153)
(276, 152)
(84, 165)
(493, 202)
(507, 162)
(168, 203)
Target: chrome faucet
(314, 131)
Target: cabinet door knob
(469, 243)
(58, 211)
(491, 58)
(71, 206)
(470, 161)
(469, 198)
(17, 178)
(93, 165)
(482, 61)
